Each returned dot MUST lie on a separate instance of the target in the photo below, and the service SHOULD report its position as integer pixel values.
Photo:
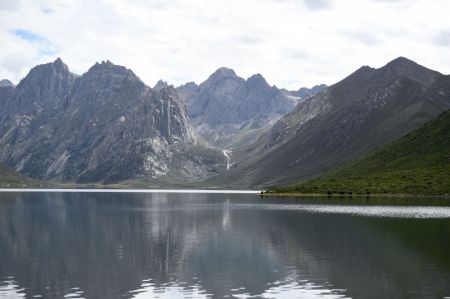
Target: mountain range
(104, 126)
(229, 111)
(366, 110)
(107, 126)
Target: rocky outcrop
(230, 111)
(103, 126)
(160, 85)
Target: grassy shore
(417, 164)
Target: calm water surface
(171, 245)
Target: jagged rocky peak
(106, 75)
(59, 64)
(257, 80)
(106, 126)
(6, 83)
(223, 73)
(160, 85)
(108, 66)
(52, 70)
(228, 110)
(45, 86)
(259, 87)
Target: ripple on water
(424, 212)
(172, 290)
(432, 212)
(286, 290)
(9, 288)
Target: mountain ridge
(365, 110)
(108, 126)
(103, 126)
(230, 111)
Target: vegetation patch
(418, 163)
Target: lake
(203, 245)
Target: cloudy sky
(292, 43)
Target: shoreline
(294, 194)
(261, 193)
(130, 190)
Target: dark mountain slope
(417, 163)
(366, 110)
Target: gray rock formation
(160, 85)
(103, 126)
(230, 111)
(364, 111)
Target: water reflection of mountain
(108, 244)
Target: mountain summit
(6, 83)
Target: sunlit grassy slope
(418, 163)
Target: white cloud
(317, 4)
(9, 4)
(292, 43)
(443, 38)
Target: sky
(292, 43)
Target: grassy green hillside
(11, 178)
(418, 163)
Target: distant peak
(59, 64)
(160, 85)
(6, 83)
(224, 72)
(408, 68)
(108, 66)
(316, 88)
(401, 62)
(105, 63)
(402, 59)
(257, 79)
(58, 61)
(189, 84)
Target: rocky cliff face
(230, 111)
(103, 126)
(364, 111)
